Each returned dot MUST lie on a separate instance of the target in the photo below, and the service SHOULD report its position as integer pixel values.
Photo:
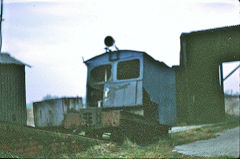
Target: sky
(54, 35)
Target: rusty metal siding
(87, 118)
(48, 113)
(159, 83)
(12, 93)
(51, 112)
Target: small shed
(12, 90)
(50, 113)
(128, 79)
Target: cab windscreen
(128, 69)
(101, 73)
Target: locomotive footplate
(96, 121)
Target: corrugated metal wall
(12, 93)
(51, 112)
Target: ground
(226, 143)
(17, 141)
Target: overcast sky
(53, 35)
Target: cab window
(101, 73)
(128, 69)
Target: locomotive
(128, 93)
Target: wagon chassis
(123, 124)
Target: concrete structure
(132, 80)
(12, 90)
(232, 104)
(50, 113)
(199, 77)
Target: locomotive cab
(132, 81)
(115, 80)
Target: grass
(20, 142)
(162, 148)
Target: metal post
(222, 93)
(221, 74)
(231, 72)
(1, 19)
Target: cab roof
(125, 54)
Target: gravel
(225, 144)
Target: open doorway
(231, 80)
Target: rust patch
(111, 118)
(73, 120)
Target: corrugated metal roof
(5, 58)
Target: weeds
(21, 142)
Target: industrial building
(12, 90)
(200, 93)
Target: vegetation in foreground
(17, 141)
(162, 148)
